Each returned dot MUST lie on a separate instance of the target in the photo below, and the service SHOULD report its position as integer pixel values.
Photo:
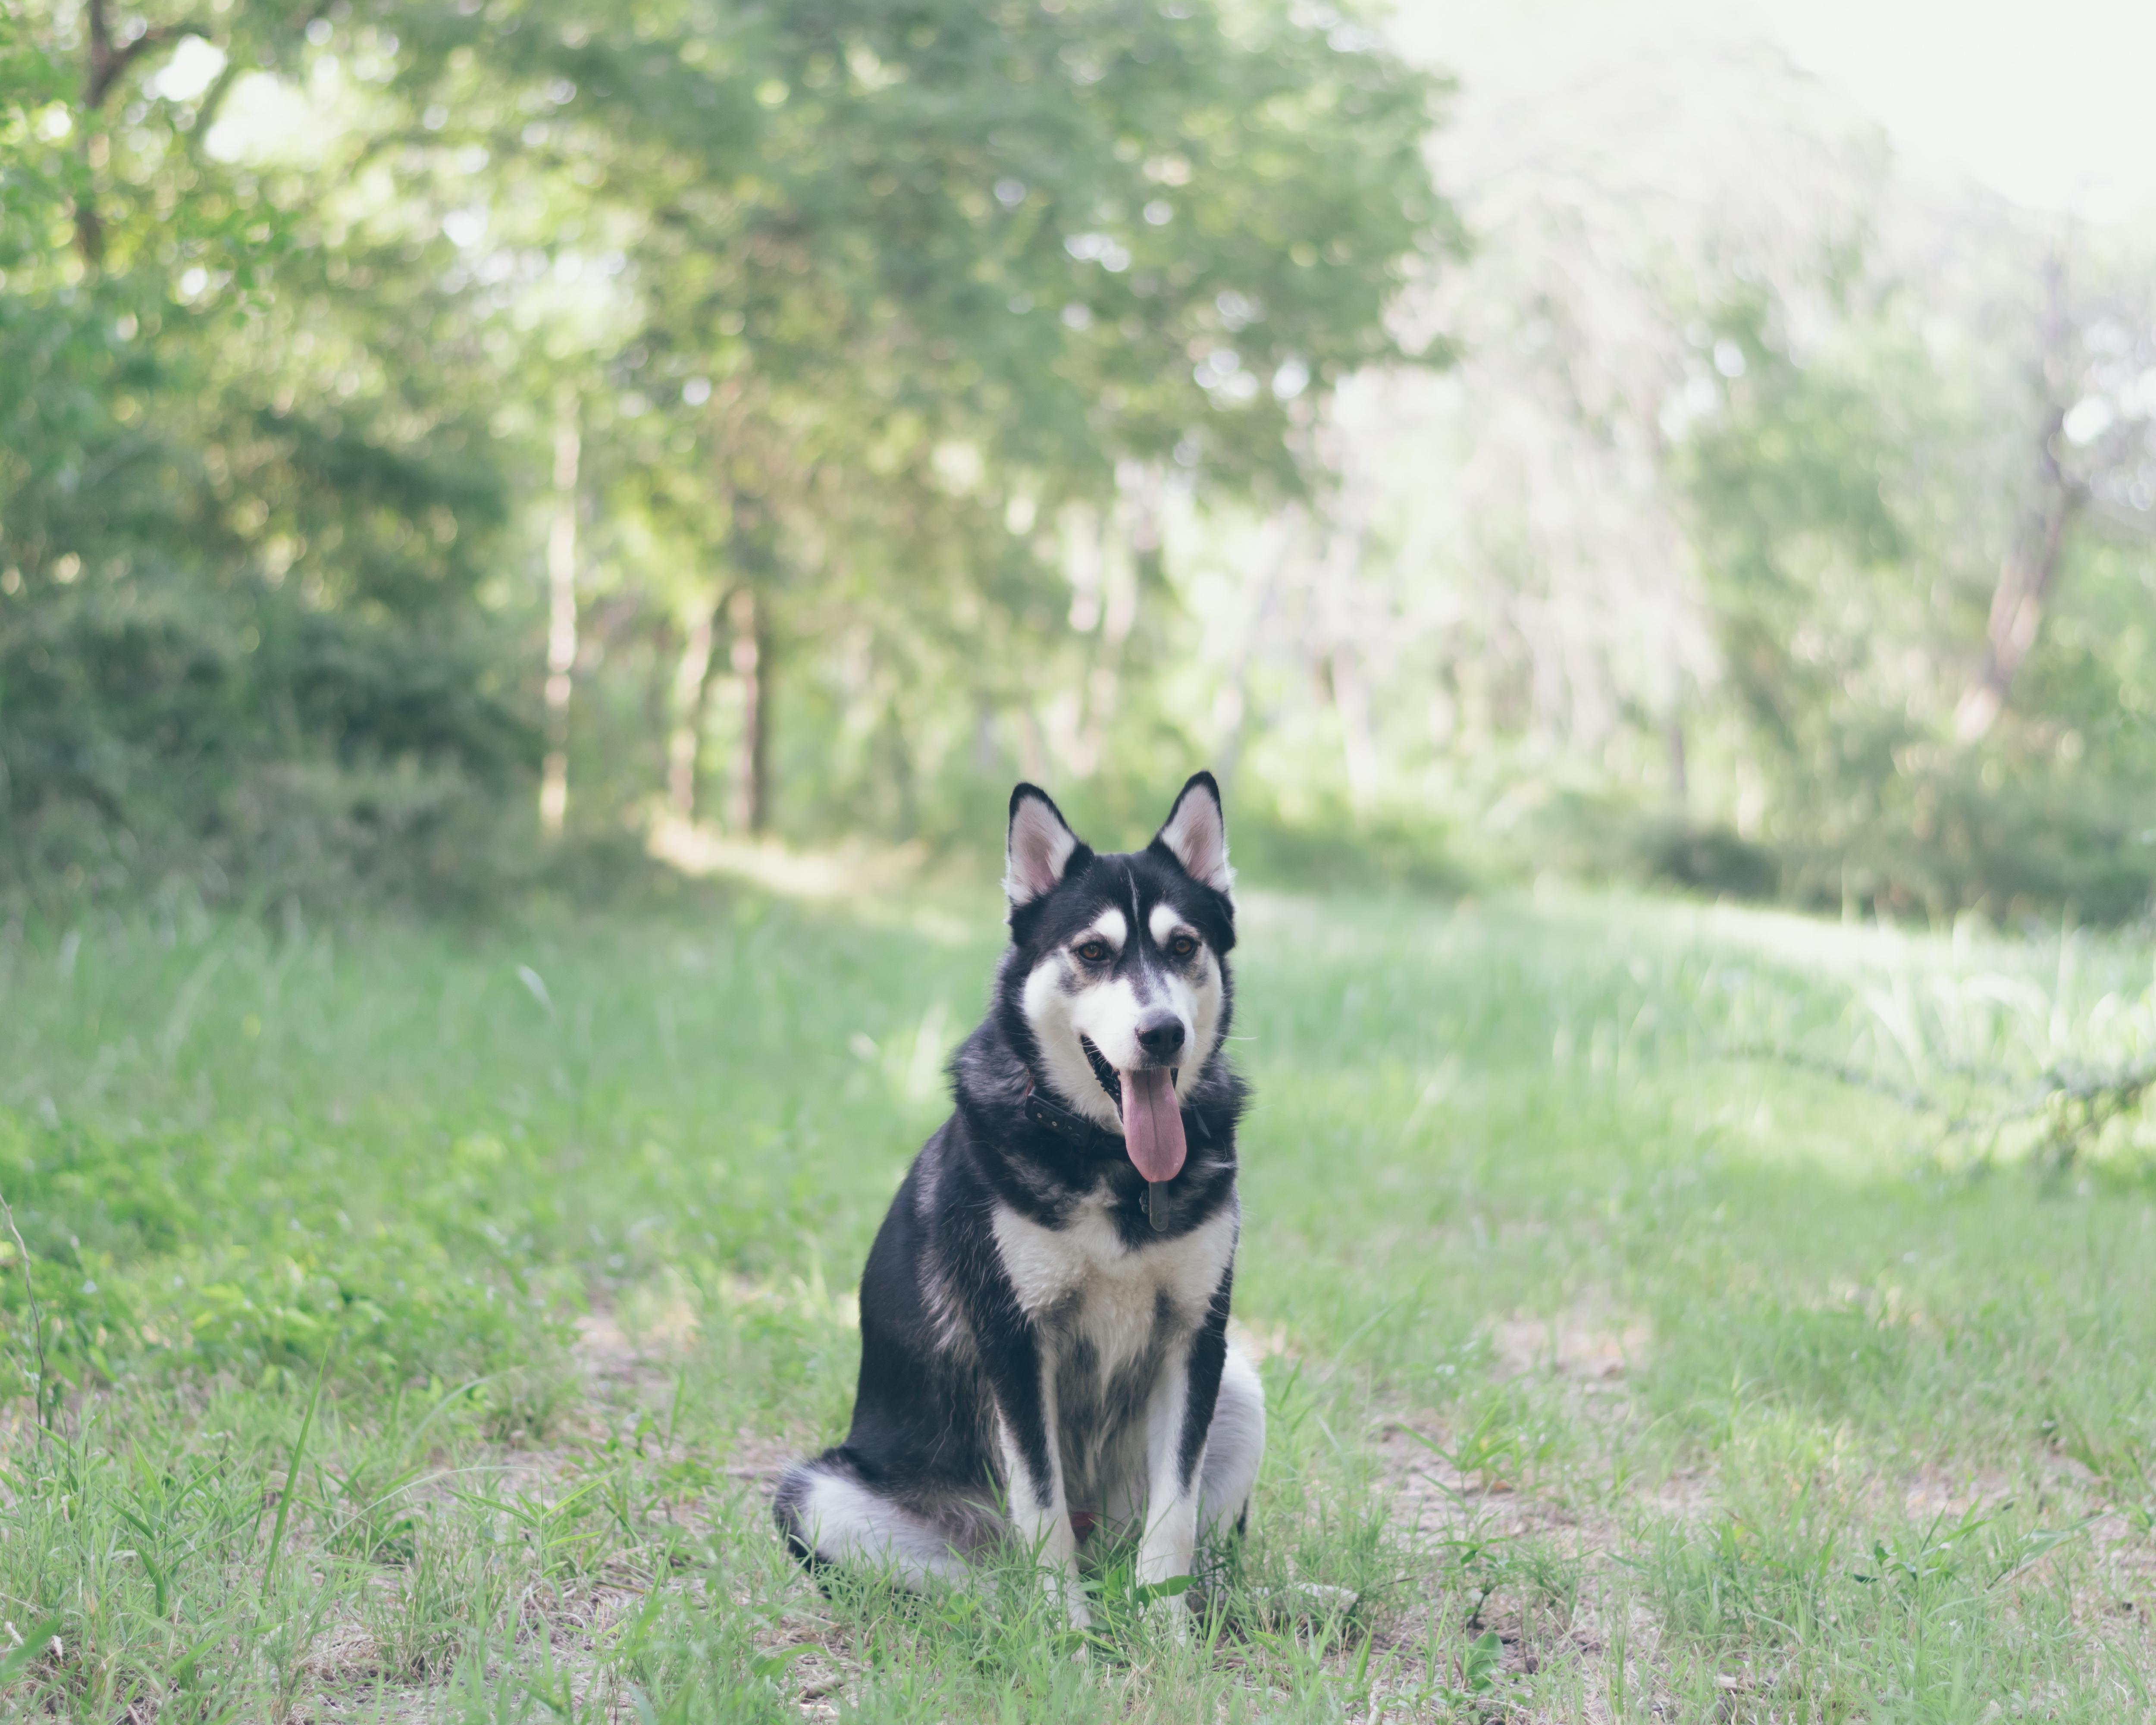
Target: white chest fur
(1082, 1283)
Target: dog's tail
(790, 1507)
(832, 1511)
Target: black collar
(1074, 1127)
(1068, 1124)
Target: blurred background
(453, 449)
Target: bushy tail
(789, 1505)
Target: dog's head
(1121, 963)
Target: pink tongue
(1153, 1123)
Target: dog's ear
(1038, 848)
(1196, 834)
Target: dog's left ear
(1196, 834)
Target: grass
(423, 1310)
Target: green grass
(1625, 1359)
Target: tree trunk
(692, 677)
(1344, 661)
(1121, 577)
(2025, 581)
(1358, 737)
(2030, 568)
(751, 658)
(1673, 738)
(1232, 710)
(106, 62)
(561, 632)
(1673, 727)
(109, 61)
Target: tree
(857, 305)
(939, 259)
(241, 531)
(2090, 351)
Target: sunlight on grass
(1632, 1342)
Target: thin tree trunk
(106, 65)
(1351, 696)
(751, 658)
(1359, 740)
(2025, 581)
(1233, 711)
(1121, 578)
(561, 632)
(692, 677)
(109, 61)
(1673, 729)
(2030, 568)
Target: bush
(255, 748)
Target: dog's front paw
(1169, 1615)
(1067, 1594)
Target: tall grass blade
(292, 1472)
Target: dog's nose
(1161, 1036)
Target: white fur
(1234, 1445)
(1112, 926)
(1171, 1524)
(1036, 852)
(1111, 1293)
(1048, 1010)
(1178, 1519)
(1197, 833)
(1108, 1014)
(846, 1522)
(1117, 1284)
(1163, 925)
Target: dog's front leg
(1040, 1513)
(1022, 1378)
(1177, 1417)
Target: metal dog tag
(1156, 1205)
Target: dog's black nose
(1161, 1036)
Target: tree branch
(2131, 523)
(109, 64)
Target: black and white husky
(1045, 1339)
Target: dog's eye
(1183, 946)
(1093, 951)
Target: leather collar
(1067, 1123)
(1074, 1127)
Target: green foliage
(250, 743)
(1847, 567)
(835, 296)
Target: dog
(1045, 1345)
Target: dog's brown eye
(1093, 951)
(1182, 946)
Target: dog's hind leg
(830, 1515)
(1234, 1445)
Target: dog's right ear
(1038, 847)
